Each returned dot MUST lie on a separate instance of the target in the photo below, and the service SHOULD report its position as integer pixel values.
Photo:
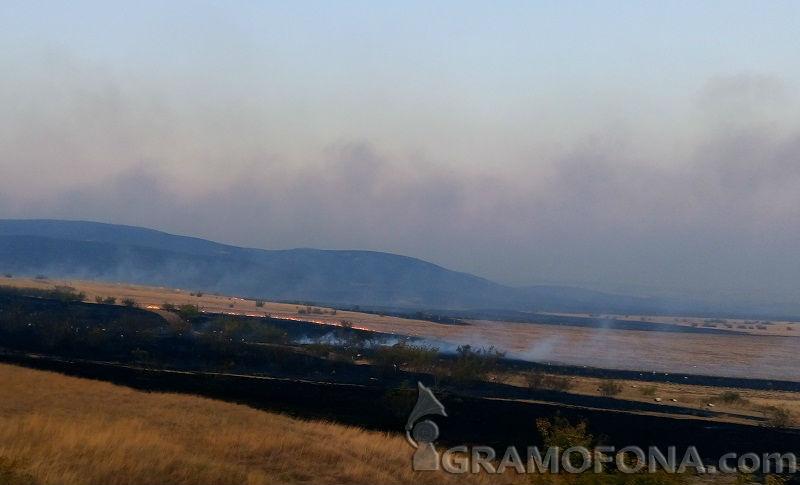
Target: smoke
(543, 350)
(708, 208)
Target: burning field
(732, 354)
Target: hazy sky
(630, 146)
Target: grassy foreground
(60, 429)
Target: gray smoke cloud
(716, 215)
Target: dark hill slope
(95, 251)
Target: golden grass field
(736, 355)
(58, 429)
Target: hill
(95, 251)
(59, 429)
(117, 253)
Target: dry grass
(738, 325)
(737, 355)
(58, 429)
(749, 408)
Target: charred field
(368, 378)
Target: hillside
(59, 429)
(116, 253)
(88, 250)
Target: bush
(230, 328)
(346, 324)
(60, 293)
(474, 364)
(169, 307)
(648, 390)
(401, 354)
(8, 275)
(730, 397)
(129, 302)
(67, 293)
(778, 417)
(41, 277)
(558, 431)
(610, 387)
(188, 311)
(540, 380)
(109, 300)
(268, 334)
(259, 303)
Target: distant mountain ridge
(110, 252)
(90, 250)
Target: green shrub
(130, 302)
(558, 431)
(474, 364)
(188, 311)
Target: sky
(641, 147)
